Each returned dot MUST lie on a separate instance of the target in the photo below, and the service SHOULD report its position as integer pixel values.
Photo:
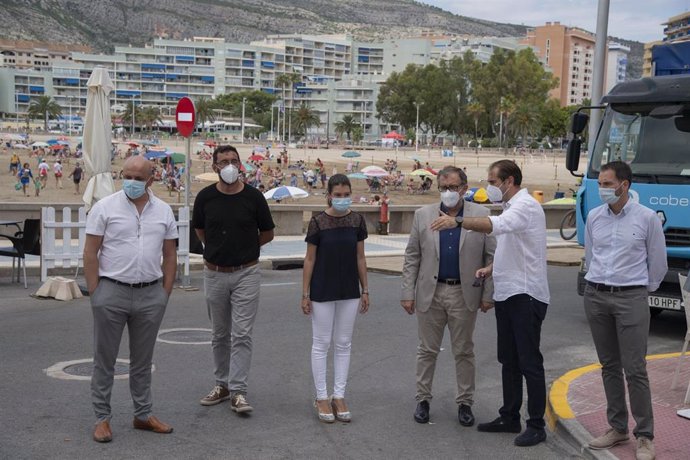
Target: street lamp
(416, 130)
(599, 69)
(244, 102)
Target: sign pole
(185, 118)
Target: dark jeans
(518, 324)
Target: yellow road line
(558, 396)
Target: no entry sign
(185, 117)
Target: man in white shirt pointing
(625, 252)
(521, 295)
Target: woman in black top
(334, 270)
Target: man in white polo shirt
(126, 235)
(521, 295)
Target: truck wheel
(655, 311)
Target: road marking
(559, 408)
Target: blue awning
(71, 81)
(174, 95)
(36, 89)
(126, 92)
(268, 90)
(268, 64)
(152, 66)
(207, 78)
(247, 63)
(185, 58)
(362, 58)
(23, 97)
(172, 76)
(150, 75)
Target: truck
(645, 123)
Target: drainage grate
(185, 336)
(86, 369)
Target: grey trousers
(142, 310)
(232, 300)
(447, 309)
(620, 326)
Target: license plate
(667, 303)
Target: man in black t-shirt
(233, 221)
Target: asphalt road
(43, 417)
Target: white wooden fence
(68, 255)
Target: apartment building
(677, 28)
(616, 65)
(32, 55)
(569, 53)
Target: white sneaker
(609, 439)
(645, 449)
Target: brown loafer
(152, 424)
(102, 432)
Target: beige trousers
(447, 308)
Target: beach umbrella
(374, 171)
(175, 157)
(62, 143)
(207, 177)
(57, 147)
(20, 146)
(257, 158)
(12, 137)
(259, 150)
(51, 141)
(480, 196)
(132, 144)
(247, 167)
(280, 193)
(357, 176)
(393, 135)
(351, 154)
(152, 155)
(431, 170)
(422, 173)
(40, 144)
(98, 137)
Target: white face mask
(450, 198)
(608, 195)
(230, 174)
(495, 194)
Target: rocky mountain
(102, 24)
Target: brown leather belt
(218, 268)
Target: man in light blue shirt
(625, 252)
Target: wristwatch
(458, 220)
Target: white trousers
(332, 321)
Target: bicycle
(568, 227)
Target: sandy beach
(545, 172)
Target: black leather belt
(132, 285)
(607, 288)
(449, 282)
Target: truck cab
(646, 123)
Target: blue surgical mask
(134, 188)
(608, 195)
(341, 204)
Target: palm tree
(475, 110)
(305, 118)
(149, 116)
(44, 107)
(205, 111)
(285, 80)
(131, 115)
(346, 125)
(524, 119)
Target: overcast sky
(630, 19)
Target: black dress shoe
(465, 416)
(500, 426)
(421, 414)
(531, 437)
